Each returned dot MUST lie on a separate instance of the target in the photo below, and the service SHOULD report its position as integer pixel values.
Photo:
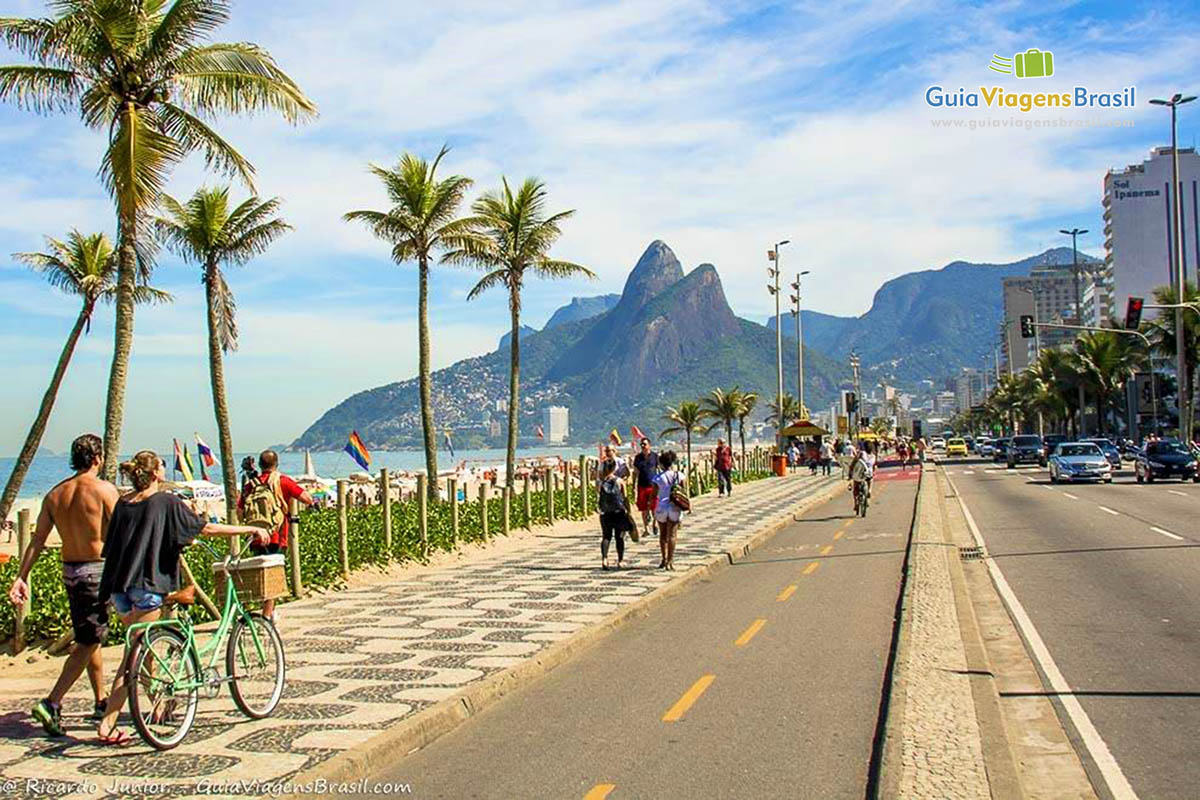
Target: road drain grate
(973, 553)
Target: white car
(938, 444)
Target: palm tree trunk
(742, 436)
(122, 341)
(216, 371)
(34, 438)
(431, 470)
(514, 387)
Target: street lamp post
(854, 363)
(1075, 233)
(796, 298)
(1184, 403)
(774, 272)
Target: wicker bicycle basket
(254, 579)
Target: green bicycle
(168, 669)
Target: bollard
(506, 493)
(343, 544)
(528, 505)
(385, 491)
(452, 488)
(23, 609)
(583, 476)
(483, 509)
(293, 548)
(423, 512)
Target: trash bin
(779, 464)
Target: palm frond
(183, 23)
(494, 278)
(225, 309)
(194, 135)
(40, 89)
(238, 78)
(138, 158)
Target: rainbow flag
(358, 451)
(614, 437)
(183, 463)
(206, 453)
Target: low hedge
(320, 561)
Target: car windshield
(1027, 441)
(1101, 443)
(957, 441)
(1078, 450)
(1165, 448)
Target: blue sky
(719, 126)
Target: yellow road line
(838, 535)
(748, 634)
(599, 791)
(849, 522)
(826, 550)
(811, 568)
(676, 712)
(786, 593)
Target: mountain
(525, 331)
(926, 324)
(669, 337)
(582, 308)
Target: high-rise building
(1138, 236)
(555, 424)
(1053, 289)
(945, 403)
(970, 388)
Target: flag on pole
(614, 437)
(358, 451)
(449, 444)
(637, 434)
(541, 434)
(182, 462)
(203, 471)
(206, 453)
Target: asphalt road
(1110, 578)
(763, 681)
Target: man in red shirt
(286, 490)
(723, 464)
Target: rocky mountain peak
(657, 270)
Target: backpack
(611, 498)
(262, 507)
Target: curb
(433, 722)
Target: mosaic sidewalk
(366, 658)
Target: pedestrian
(265, 503)
(826, 458)
(666, 511)
(920, 446)
(78, 509)
(645, 463)
(793, 455)
(614, 512)
(902, 454)
(147, 533)
(723, 465)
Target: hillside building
(556, 424)
(1138, 237)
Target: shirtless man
(80, 508)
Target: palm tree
(722, 407)
(748, 401)
(207, 233)
(141, 72)
(790, 408)
(420, 221)
(686, 418)
(512, 236)
(1161, 332)
(1105, 361)
(84, 266)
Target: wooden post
(385, 490)
(343, 544)
(507, 494)
(551, 491)
(528, 505)
(452, 488)
(483, 509)
(567, 485)
(23, 538)
(294, 548)
(583, 482)
(423, 512)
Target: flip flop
(115, 738)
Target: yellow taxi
(956, 447)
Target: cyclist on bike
(862, 472)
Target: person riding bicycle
(145, 537)
(862, 471)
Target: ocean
(47, 470)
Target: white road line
(1168, 534)
(1110, 770)
(1176, 491)
(968, 472)
(1068, 494)
(1109, 510)
(1044, 486)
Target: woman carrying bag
(672, 502)
(615, 519)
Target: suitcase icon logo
(1033, 63)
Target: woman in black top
(145, 537)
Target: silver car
(1079, 461)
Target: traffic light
(851, 402)
(1133, 313)
(1027, 326)
(865, 422)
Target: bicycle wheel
(164, 677)
(255, 665)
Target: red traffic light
(1133, 313)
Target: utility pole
(1074, 233)
(796, 298)
(774, 271)
(1181, 367)
(854, 363)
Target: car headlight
(1156, 464)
